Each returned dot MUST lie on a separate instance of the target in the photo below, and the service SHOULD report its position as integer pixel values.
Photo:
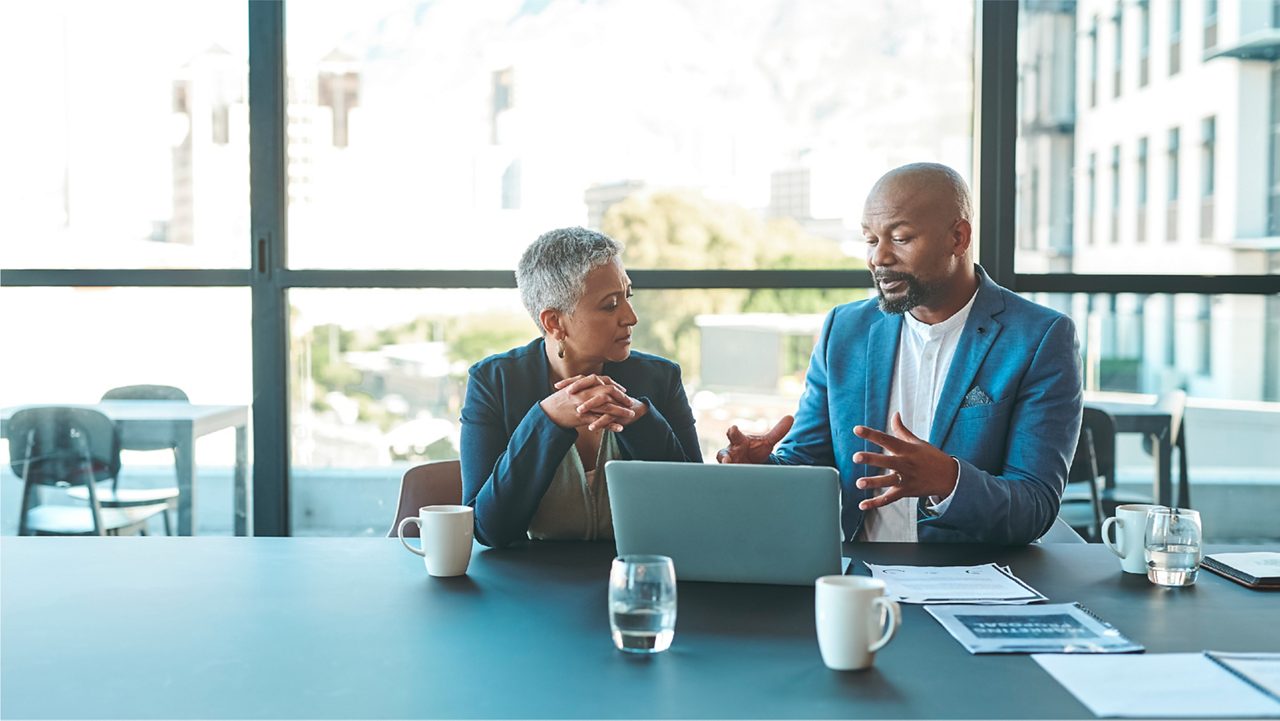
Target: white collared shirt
(924, 358)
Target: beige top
(576, 504)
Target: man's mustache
(888, 276)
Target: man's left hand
(913, 467)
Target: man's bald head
(937, 182)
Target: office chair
(430, 484)
(116, 497)
(69, 448)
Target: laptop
(725, 522)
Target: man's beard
(918, 293)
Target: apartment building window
(1204, 312)
(1144, 42)
(1140, 232)
(1093, 63)
(1115, 195)
(1273, 197)
(1118, 61)
(1093, 197)
(1210, 23)
(1034, 203)
(1171, 182)
(1207, 179)
(1175, 37)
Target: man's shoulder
(856, 314)
(1027, 312)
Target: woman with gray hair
(540, 421)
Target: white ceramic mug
(1130, 522)
(855, 619)
(446, 533)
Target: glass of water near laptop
(1172, 546)
(642, 603)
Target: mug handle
(894, 621)
(400, 533)
(1117, 547)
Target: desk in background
(354, 628)
(178, 424)
(1148, 420)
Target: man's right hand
(749, 448)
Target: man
(950, 405)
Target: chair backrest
(430, 484)
(51, 445)
(145, 393)
(1096, 450)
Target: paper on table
(1260, 669)
(1164, 685)
(954, 584)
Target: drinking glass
(642, 603)
(1172, 546)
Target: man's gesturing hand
(913, 467)
(750, 448)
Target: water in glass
(1173, 565)
(642, 603)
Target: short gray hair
(552, 272)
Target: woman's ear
(550, 319)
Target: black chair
(117, 497)
(1174, 402)
(67, 448)
(1093, 465)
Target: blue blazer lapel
(979, 334)
(882, 354)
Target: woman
(539, 422)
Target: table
(179, 424)
(354, 628)
(1151, 421)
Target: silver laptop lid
(739, 523)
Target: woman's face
(598, 328)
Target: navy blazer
(1009, 411)
(511, 448)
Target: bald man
(950, 405)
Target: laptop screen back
(737, 523)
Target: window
(1175, 36)
(1144, 42)
(1115, 195)
(1171, 185)
(1092, 219)
(112, 105)
(1273, 197)
(1141, 233)
(1093, 63)
(1210, 24)
(506, 123)
(1118, 60)
(1208, 174)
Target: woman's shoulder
(517, 357)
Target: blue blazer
(1014, 440)
(511, 448)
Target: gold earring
(561, 351)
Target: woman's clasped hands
(595, 401)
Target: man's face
(911, 250)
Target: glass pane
(132, 150)
(1210, 209)
(450, 134)
(379, 378)
(1223, 351)
(72, 345)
